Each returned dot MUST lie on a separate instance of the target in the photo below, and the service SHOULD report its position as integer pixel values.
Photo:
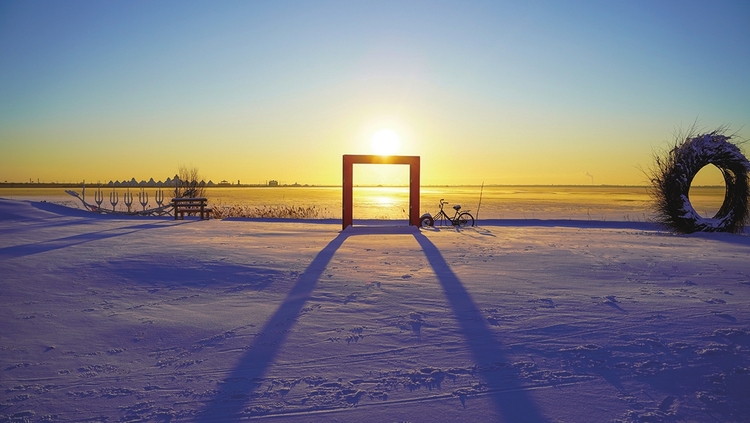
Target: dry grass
(273, 212)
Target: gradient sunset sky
(527, 92)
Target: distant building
(224, 183)
(273, 183)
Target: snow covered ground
(123, 319)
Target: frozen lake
(608, 203)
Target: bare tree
(187, 182)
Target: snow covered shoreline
(529, 320)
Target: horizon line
(297, 185)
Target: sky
(527, 92)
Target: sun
(385, 142)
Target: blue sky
(500, 92)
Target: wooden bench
(191, 206)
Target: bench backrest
(189, 201)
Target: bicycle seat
(457, 207)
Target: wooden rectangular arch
(348, 183)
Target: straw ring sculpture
(674, 173)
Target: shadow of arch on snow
(228, 404)
(512, 402)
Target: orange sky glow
(484, 92)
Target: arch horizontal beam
(348, 183)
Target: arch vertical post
(414, 188)
(348, 200)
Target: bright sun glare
(385, 142)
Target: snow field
(157, 320)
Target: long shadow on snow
(254, 364)
(22, 216)
(23, 250)
(75, 212)
(739, 239)
(31, 225)
(572, 223)
(513, 403)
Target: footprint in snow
(612, 302)
(547, 303)
(726, 316)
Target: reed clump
(267, 212)
(673, 173)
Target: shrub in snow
(674, 172)
(186, 183)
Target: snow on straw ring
(674, 173)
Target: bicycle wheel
(426, 221)
(465, 219)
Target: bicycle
(459, 219)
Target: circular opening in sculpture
(707, 191)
